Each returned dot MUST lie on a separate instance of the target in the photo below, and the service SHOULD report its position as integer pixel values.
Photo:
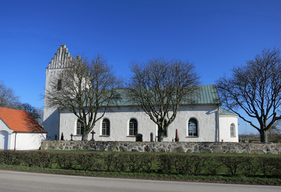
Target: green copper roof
(223, 111)
(206, 95)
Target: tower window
(59, 84)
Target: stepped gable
(62, 59)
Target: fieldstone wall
(185, 147)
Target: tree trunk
(84, 137)
(160, 134)
(263, 136)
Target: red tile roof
(20, 121)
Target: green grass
(153, 176)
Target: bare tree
(40, 112)
(275, 131)
(256, 89)
(87, 89)
(36, 113)
(8, 98)
(159, 86)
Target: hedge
(183, 164)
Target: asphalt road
(11, 181)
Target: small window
(59, 85)
(79, 128)
(192, 127)
(232, 130)
(133, 127)
(105, 127)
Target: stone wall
(249, 148)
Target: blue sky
(215, 35)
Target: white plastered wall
(225, 121)
(119, 125)
(51, 114)
(27, 141)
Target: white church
(204, 121)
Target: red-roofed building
(19, 130)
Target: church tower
(61, 61)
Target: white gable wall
(4, 127)
(5, 135)
(119, 125)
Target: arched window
(192, 127)
(79, 128)
(232, 130)
(133, 127)
(105, 127)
